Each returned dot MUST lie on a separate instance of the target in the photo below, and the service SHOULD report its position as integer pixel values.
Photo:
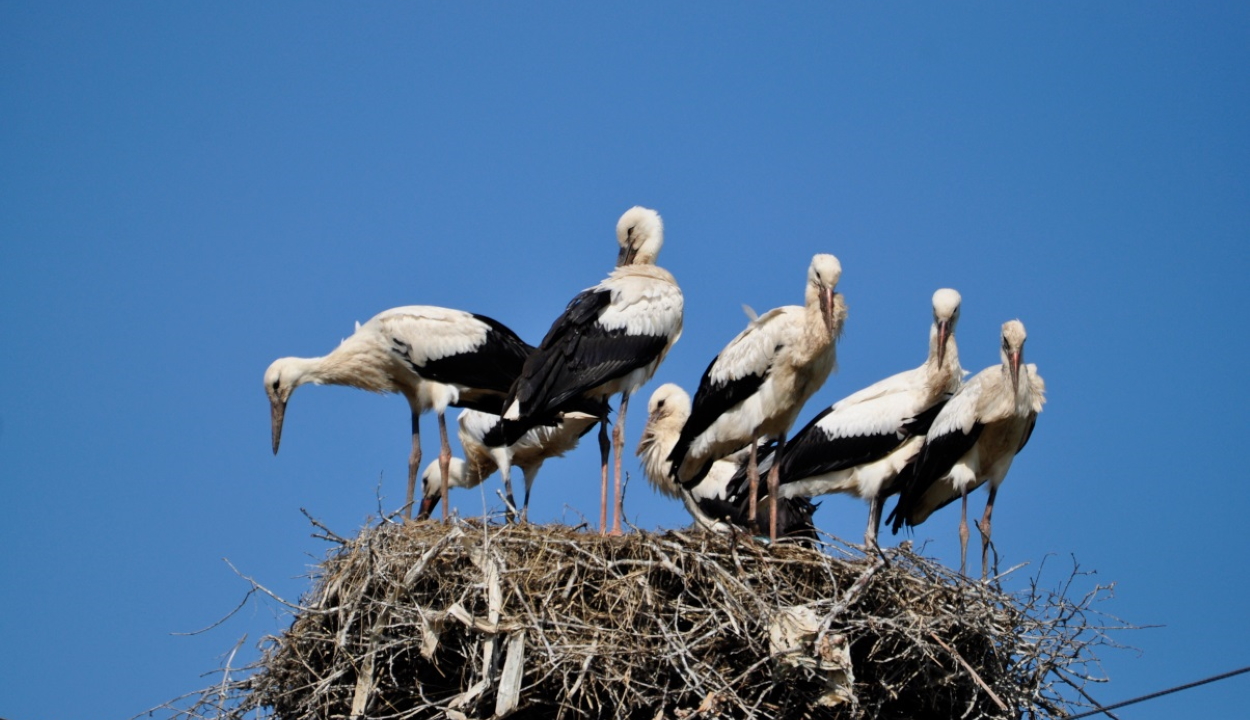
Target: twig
(328, 534)
(222, 620)
(960, 659)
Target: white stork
(433, 356)
(481, 436)
(716, 501)
(862, 443)
(610, 339)
(973, 441)
(757, 385)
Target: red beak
(277, 412)
(1015, 358)
(427, 506)
(826, 307)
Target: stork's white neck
(949, 370)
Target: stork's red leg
(774, 488)
(963, 533)
(874, 521)
(444, 460)
(618, 447)
(414, 462)
(984, 527)
(603, 471)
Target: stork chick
(862, 443)
(757, 385)
(433, 356)
(973, 440)
(610, 339)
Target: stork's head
(1013, 350)
(432, 484)
(945, 315)
(667, 411)
(822, 281)
(668, 401)
(640, 233)
(281, 379)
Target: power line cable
(1161, 693)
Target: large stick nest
(480, 620)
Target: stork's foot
(983, 528)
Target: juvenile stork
(758, 383)
(610, 339)
(482, 437)
(433, 356)
(862, 443)
(715, 502)
(973, 441)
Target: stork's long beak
(826, 307)
(1015, 358)
(944, 333)
(278, 411)
(427, 507)
(626, 256)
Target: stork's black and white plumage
(433, 356)
(717, 502)
(610, 339)
(861, 443)
(481, 436)
(973, 440)
(759, 382)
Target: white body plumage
(864, 441)
(974, 440)
(435, 357)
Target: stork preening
(973, 440)
(433, 356)
(714, 502)
(861, 443)
(610, 339)
(759, 382)
(482, 437)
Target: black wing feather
(492, 366)
(738, 485)
(1028, 433)
(936, 459)
(577, 355)
(711, 400)
(794, 516)
(920, 424)
(813, 452)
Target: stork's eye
(275, 384)
(660, 404)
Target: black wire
(1161, 693)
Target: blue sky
(189, 191)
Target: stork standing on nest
(864, 441)
(610, 339)
(433, 356)
(759, 382)
(973, 440)
(714, 502)
(481, 436)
